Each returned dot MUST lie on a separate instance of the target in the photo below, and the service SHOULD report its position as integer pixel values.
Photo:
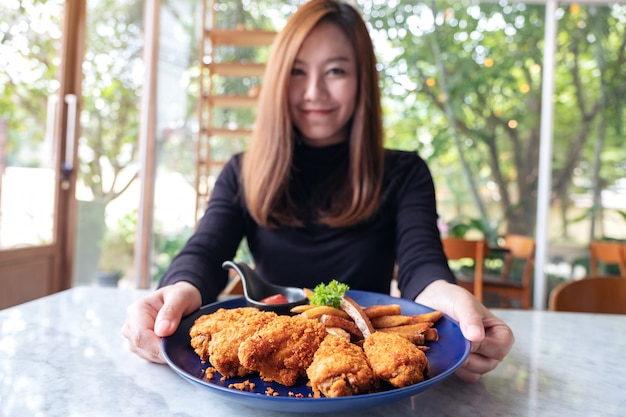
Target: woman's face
(323, 86)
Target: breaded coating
(224, 344)
(207, 326)
(395, 359)
(283, 349)
(340, 369)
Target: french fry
(414, 332)
(302, 308)
(415, 338)
(307, 292)
(339, 322)
(317, 311)
(382, 310)
(409, 328)
(357, 314)
(431, 335)
(399, 320)
(431, 317)
(338, 331)
(390, 321)
(360, 322)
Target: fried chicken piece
(224, 344)
(395, 359)
(283, 349)
(208, 326)
(340, 369)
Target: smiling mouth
(317, 112)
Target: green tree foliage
(112, 76)
(29, 41)
(590, 156)
(462, 85)
(475, 71)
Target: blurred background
(116, 116)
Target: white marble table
(63, 355)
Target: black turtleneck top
(403, 231)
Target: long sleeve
(419, 252)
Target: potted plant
(117, 251)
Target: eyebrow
(340, 58)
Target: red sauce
(275, 299)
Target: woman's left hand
(490, 338)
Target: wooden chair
(457, 248)
(519, 248)
(590, 295)
(234, 286)
(606, 253)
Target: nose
(315, 88)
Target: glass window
(30, 38)
(107, 192)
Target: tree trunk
(452, 122)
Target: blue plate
(444, 357)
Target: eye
(336, 71)
(297, 71)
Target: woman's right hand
(158, 315)
(490, 338)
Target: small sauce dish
(264, 295)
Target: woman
(318, 197)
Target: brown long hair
(267, 161)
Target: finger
(498, 341)
(144, 343)
(460, 304)
(138, 331)
(167, 320)
(472, 331)
(467, 376)
(470, 319)
(177, 301)
(475, 366)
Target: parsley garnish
(329, 294)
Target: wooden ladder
(213, 97)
